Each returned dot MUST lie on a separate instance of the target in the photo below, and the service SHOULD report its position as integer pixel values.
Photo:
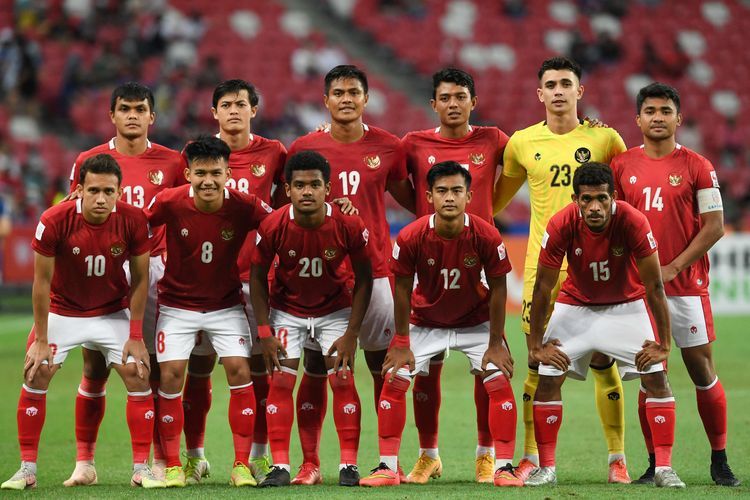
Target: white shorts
(106, 334)
(182, 330)
(255, 348)
(155, 273)
(318, 334)
(378, 325)
(618, 331)
(692, 321)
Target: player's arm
(39, 351)
(505, 189)
(711, 231)
(545, 353)
(650, 274)
(403, 192)
(134, 346)
(259, 299)
(399, 353)
(496, 353)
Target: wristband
(136, 329)
(264, 331)
(399, 340)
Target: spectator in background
(515, 9)
(5, 227)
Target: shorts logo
(329, 253)
(538, 156)
(372, 162)
(660, 419)
(693, 329)
(258, 169)
(149, 415)
(387, 332)
(551, 419)
(633, 179)
(272, 409)
(53, 348)
(579, 252)
(422, 397)
(675, 180)
(32, 411)
(227, 234)
(76, 250)
(247, 412)
(306, 406)
(582, 155)
(507, 406)
(431, 160)
(350, 409)
(156, 177)
(470, 260)
(241, 340)
(613, 396)
(117, 249)
(477, 158)
(618, 251)
(184, 232)
(501, 253)
(167, 419)
(292, 253)
(430, 262)
(385, 405)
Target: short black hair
(658, 90)
(560, 63)
(207, 147)
(100, 164)
(307, 160)
(593, 174)
(132, 91)
(345, 71)
(234, 87)
(446, 169)
(453, 75)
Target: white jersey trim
(329, 210)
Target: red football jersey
(361, 171)
(143, 176)
(601, 266)
(201, 272)
(311, 275)
(449, 291)
(256, 169)
(89, 279)
(665, 190)
(480, 152)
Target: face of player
(595, 203)
(449, 196)
(234, 112)
(98, 194)
(208, 178)
(346, 100)
(307, 190)
(453, 104)
(132, 118)
(560, 91)
(658, 119)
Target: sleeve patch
(257, 238)
(40, 230)
(714, 179)
(501, 251)
(396, 251)
(366, 236)
(651, 239)
(545, 238)
(266, 207)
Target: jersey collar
(432, 220)
(437, 129)
(329, 210)
(111, 143)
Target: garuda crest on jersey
(117, 249)
(329, 253)
(582, 155)
(156, 177)
(372, 161)
(477, 158)
(227, 234)
(470, 260)
(675, 180)
(258, 169)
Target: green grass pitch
(582, 469)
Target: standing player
(449, 252)
(310, 300)
(81, 297)
(611, 255)
(147, 169)
(206, 225)
(678, 192)
(480, 151)
(365, 163)
(547, 154)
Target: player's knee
(656, 385)
(547, 388)
(237, 370)
(94, 365)
(41, 378)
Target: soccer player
(547, 155)
(365, 163)
(147, 169)
(450, 307)
(480, 151)
(310, 301)
(200, 296)
(81, 296)
(613, 263)
(678, 191)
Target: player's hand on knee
(137, 349)
(38, 353)
(551, 355)
(271, 347)
(346, 206)
(499, 356)
(345, 349)
(395, 358)
(651, 354)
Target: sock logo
(385, 405)
(32, 411)
(350, 408)
(306, 406)
(660, 419)
(149, 415)
(422, 397)
(247, 412)
(526, 397)
(551, 419)
(272, 409)
(613, 396)
(167, 419)
(507, 406)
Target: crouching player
(200, 296)
(81, 297)
(449, 308)
(310, 300)
(611, 255)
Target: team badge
(470, 260)
(477, 158)
(156, 177)
(227, 234)
(372, 162)
(329, 253)
(537, 157)
(292, 253)
(699, 282)
(675, 180)
(431, 160)
(241, 340)
(76, 250)
(633, 179)
(258, 169)
(693, 329)
(117, 249)
(430, 262)
(582, 155)
(618, 251)
(579, 252)
(184, 232)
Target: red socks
(502, 415)
(427, 399)
(482, 403)
(347, 413)
(171, 421)
(661, 419)
(280, 414)
(32, 408)
(712, 407)
(392, 415)
(547, 420)
(139, 411)
(196, 400)
(645, 428)
(90, 405)
(242, 420)
(261, 384)
(312, 401)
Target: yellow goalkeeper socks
(529, 388)
(610, 403)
